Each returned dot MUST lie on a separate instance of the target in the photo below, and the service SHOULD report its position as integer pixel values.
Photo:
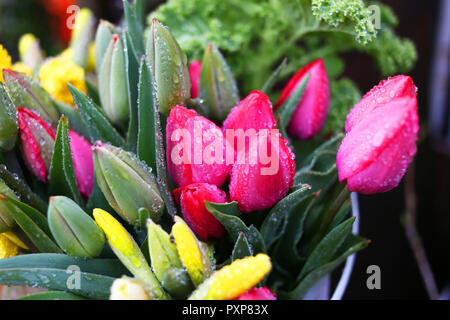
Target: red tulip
(312, 109)
(195, 149)
(195, 68)
(259, 178)
(385, 91)
(254, 112)
(199, 219)
(376, 152)
(38, 140)
(261, 293)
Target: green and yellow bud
(8, 121)
(30, 51)
(82, 36)
(103, 37)
(163, 253)
(169, 68)
(233, 280)
(127, 288)
(128, 252)
(73, 229)
(128, 185)
(177, 282)
(192, 252)
(25, 92)
(7, 247)
(113, 89)
(218, 89)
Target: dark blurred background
(381, 215)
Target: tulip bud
(30, 51)
(163, 253)
(169, 68)
(376, 152)
(192, 252)
(103, 37)
(25, 92)
(7, 222)
(195, 68)
(312, 109)
(195, 149)
(252, 113)
(218, 89)
(37, 141)
(83, 163)
(82, 36)
(177, 282)
(74, 231)
(261, 293)
(5, 61)
(259, 180)
(235, 279)
(112, 83)
(126, 183)
(384, 92)
(8, 121)
(198, 218)
(127, 288)
(128, 252)
(8, 248)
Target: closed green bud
(73, 229)
(112, 83)
(176, 281)
(82, 36)
(30, 51)
(25, 92)
(7, 222)
(103, 37)
(128, 185)
(163, 253)
(8, 121)
(169, 68)
(218, 89)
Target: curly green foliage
(344, 95)
(256, 35)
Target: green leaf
(235, 226)
(108, 267)
(275, 223)
(92, 91)
(134, 25)
(62, 176)
(22, 189)
(327, 247)
(33, 226)
(51, 295)
(351, 245)
(290, 105)
(76, 122)
(146, 144)
(98, 126)
(273, 77)
(132, 72)
(241, 248)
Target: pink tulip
(260, 183)
(385, 91)
(83, 163)
(199, 219)
(37, 140)
(312, 109)
(377, 150)
(254, 112)
(195, 68)
(195, 149)
(261, 293)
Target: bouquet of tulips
(129, 173)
